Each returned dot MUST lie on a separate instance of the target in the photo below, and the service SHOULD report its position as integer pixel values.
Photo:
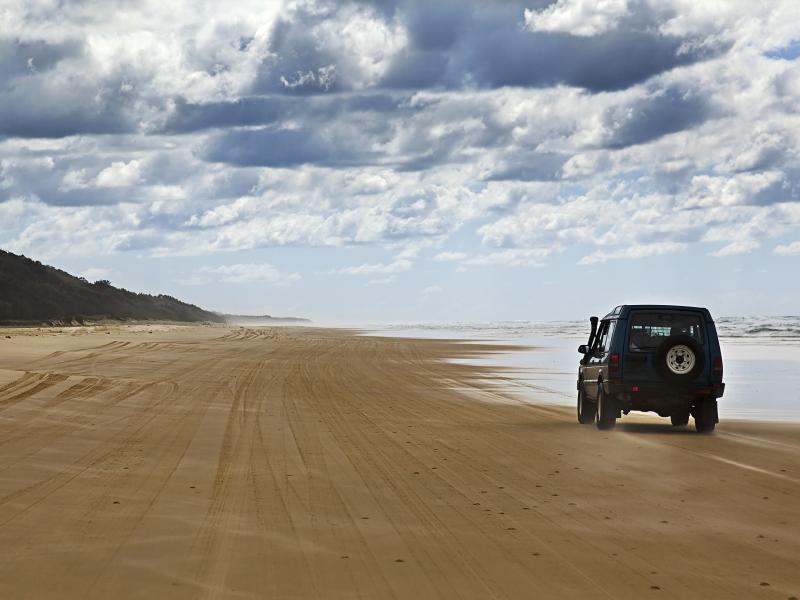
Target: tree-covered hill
(33, 292)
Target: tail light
(716, 368)
(613, 363)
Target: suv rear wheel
(606, 414)
(705, 415)
(586, 409)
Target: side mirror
(583, 349)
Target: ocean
(761, 357)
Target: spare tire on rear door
(679, 358)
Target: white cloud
(18, 211)
(729, 190)
(578, 17)
(223, 214)
(324, 77)
(368, 183)
(74, 180)
(633, 252)
(432, 290)
(741, 21)
(737, 248)
(120, 174)
(279, 230)
(791, 249)
(250, 273)
(411, 248)
(450, 256)
(396, 266)
(54, 231)
(513, 257)
(363, 41)
(425, 167)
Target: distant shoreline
(52, 323)
(229, 320)
(255, 320)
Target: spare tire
(679, 358)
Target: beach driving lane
(210, 462)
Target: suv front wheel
(606, 413)
(586, 409)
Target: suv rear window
(648, 330)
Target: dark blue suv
(651, 357)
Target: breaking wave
(731, 327)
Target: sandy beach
(212, 462)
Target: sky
(401, 160)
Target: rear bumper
(657, 392)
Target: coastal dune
(214, 462)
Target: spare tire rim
(681, 359)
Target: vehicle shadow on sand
(665, 428)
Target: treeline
(33, 292)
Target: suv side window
(605, 336)
(601, 335)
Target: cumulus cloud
(633, 252)
(268, 147)
(487, 46)
(736, 248)
(224, 213)
(73, 180)
(249, 273)
(529, 166)
(45, 91)
(328, 46)
(513, 257)
(791, 249)
(739, 188)
(655, 114)
(27, 56)
(188, 117)
(44, 107)
(120, 174)
(621, 128)
(579, 17)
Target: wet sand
(200, 462)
